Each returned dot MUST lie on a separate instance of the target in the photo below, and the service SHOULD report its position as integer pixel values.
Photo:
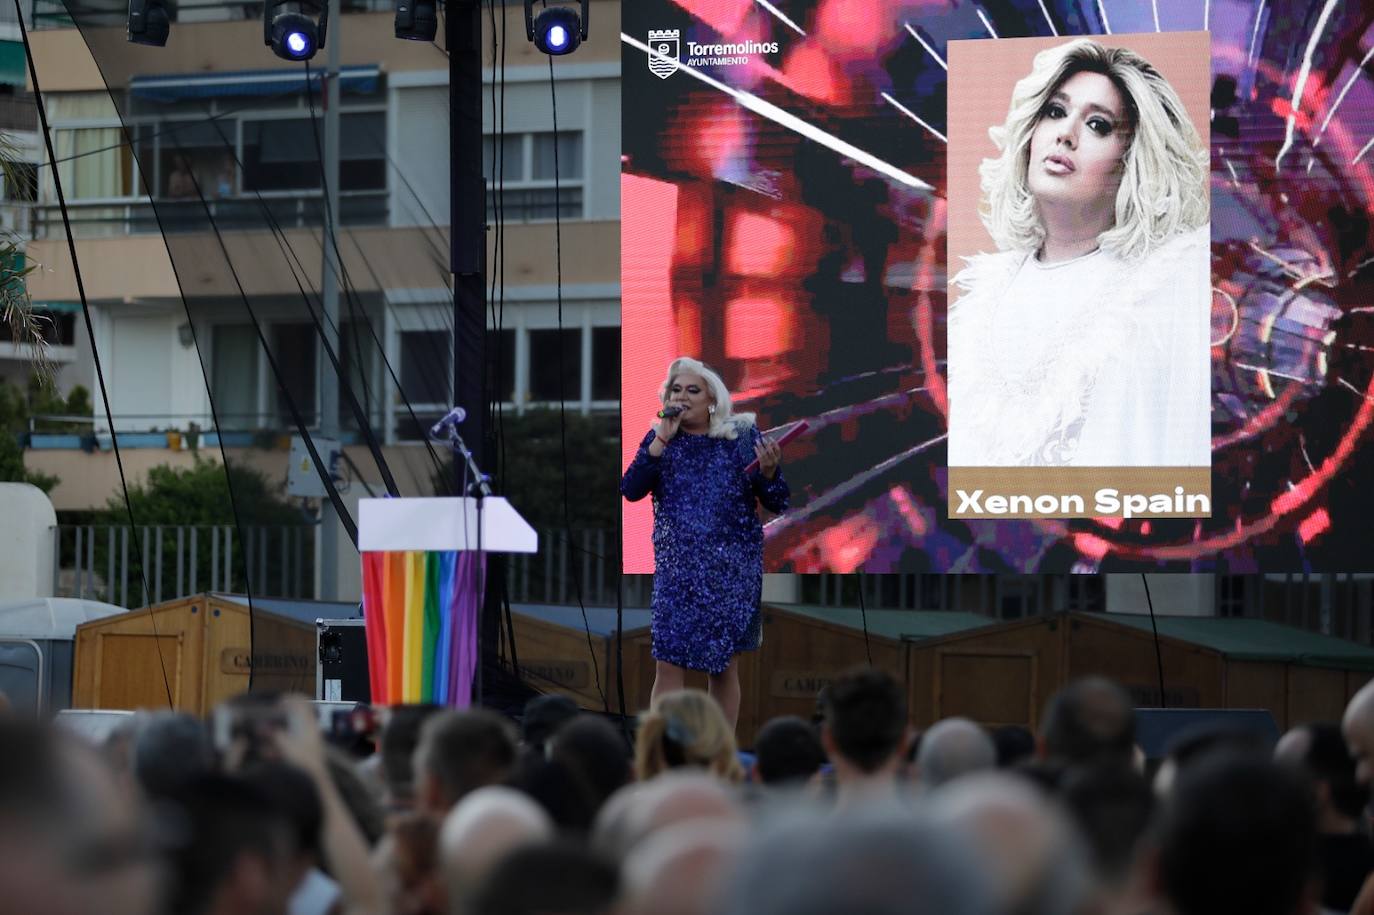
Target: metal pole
(80, 580)
(57, 558)
(329, 294)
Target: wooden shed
(1005, 673)
(553, 650)
(804, 648)
(201, 649)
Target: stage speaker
(1159, 730)
(341, 674)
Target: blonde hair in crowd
(1164, 170)
(694, 722)
(725, 423)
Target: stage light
(149, 23)
(558, 30)
(416, 20)
(292, 33)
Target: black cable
(620, 626)
(341, 276)
(239, 526)
(364, 422)
(95, 350)
(497, 298)
(863, 616)
(562, 406)
(358, 414)
(350, 527)
(1159, 655)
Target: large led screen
(861, 214)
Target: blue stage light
(297, 44)
(558, 30)
(291, 32)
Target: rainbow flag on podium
(420, 610)
(422, 583)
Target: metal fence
(304, 209)
(113, 562)
(585, 560)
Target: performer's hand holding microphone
(669, 419)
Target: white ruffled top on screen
(1091, 362)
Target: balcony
(291, 210)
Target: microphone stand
(465, 468)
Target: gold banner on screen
(1080, 492)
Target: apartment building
(214, 125)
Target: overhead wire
(562, 381)
(95, 349)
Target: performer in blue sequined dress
(708, 540)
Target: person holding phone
(708, 539)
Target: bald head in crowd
(680, 869)
(1039, 866)
(1089, 721)
(951, 748)
(639, 810)
(874, 861)
(483, 827)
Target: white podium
(443, 524)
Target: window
(94, 163)
(425, 373)
(1087, 593)
(21, 183)
(527, 175)
(283, 154)
(294, 349)
(58, 328)
(500, 358)
(234, 375)
(605, 363)
(355, 353)
(1231, 595)
(190, 154)
(546, 382)
(565, 153)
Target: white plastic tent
(42, 618)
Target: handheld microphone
(451, 419)
(670, 412)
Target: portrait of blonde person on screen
(1084, 340)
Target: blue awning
(180, 86)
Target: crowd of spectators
(255, 812)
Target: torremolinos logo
(664, 46)
(666, 52)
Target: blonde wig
(725, 423)
(686, 728)
(1163, 188)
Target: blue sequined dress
(708, 545)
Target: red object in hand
(787, 436)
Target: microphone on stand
(451, 419)
(670, 412)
